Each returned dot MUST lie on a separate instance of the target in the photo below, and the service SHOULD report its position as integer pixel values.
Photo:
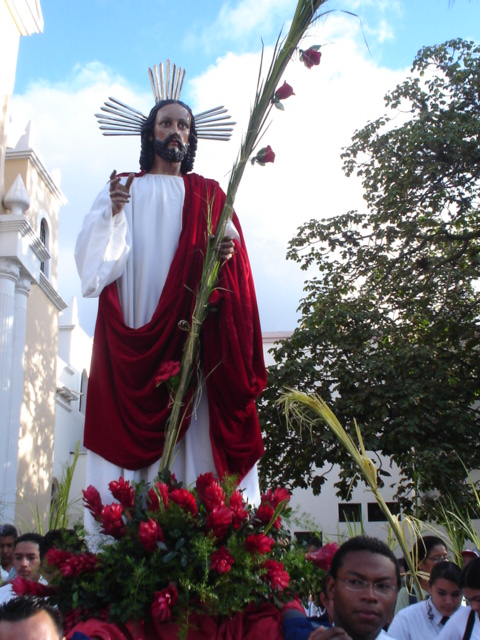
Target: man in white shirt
(363, 583)
(8, 534)
(465, 624)
(26, 561)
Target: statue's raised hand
(119, 193)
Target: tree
(390, 324)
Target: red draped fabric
(126, 414)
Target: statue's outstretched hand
(119, 193)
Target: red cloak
(126, 413)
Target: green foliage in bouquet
(169, 551)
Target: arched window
(45, 238)
(83, 392)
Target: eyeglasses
(435, 559)
(380, 588)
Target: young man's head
(8, 534)
(27, 555)
(363, 583)
(470, 583)
(184, 135)
(29, 618)
(444, 587)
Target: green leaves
(389, 322)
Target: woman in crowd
(426, 619)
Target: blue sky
(92, 49)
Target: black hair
(7, 530)
(24, 607)
(423, 546)
(147, 153)
(31, 537)
(470, 577)
(363, 543)
(446, 570)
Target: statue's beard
(170, 154)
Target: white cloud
(305, 181)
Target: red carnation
(221, 560)
(324, 556)
(276, 576)
(163, 603)
(112, 521)
(311, 57)
(92, 501)
(150, 533)
(71, 564)
(259, 543)
(161, 489)
(264, 155)
(219, 521)
(204, 480)
(123, 492)
(237, 507)
(185, 500)
(166, 371)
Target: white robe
(136, 248)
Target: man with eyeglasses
(465, 623)
(363, 584)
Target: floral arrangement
(170, 551)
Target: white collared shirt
(421, 620)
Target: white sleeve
(102, 246)
(399, 628)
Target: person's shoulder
(383, 635)
(197, 179)
(6, 593)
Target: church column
(9, 274)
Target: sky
(95, 49)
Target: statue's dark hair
(24, 607)
(147, 153)
(446, 571)
(363, 543)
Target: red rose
(185, 500)
(264, 155)
(161, 489)
(259, 543)
(92, 501)
(214, 298)
(166, 371)
(112, 521)
(324, 556)
(163, 603)
(150, 533)
(237, 507)
(221, 561)
(284, 92)
(276, 576)
(311, 57)
(219, 521)
(123, 492)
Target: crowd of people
(364, 594)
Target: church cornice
(31, 156)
